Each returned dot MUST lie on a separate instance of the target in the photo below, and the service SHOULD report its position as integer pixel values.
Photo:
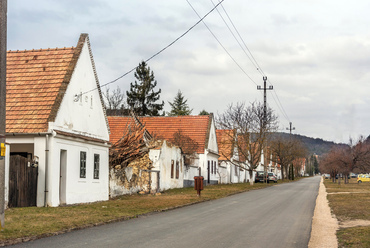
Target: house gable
(211, 136)
(81, 109)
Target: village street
(278, 216)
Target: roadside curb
(324, 224)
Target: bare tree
(187, 144)
(329, 163)
(251, 127)
(343, 160)
(114, 102)
(285, 151)
(360, 155)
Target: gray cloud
(315, 53)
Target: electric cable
(219, 42)
(253, 60)
(157, 53)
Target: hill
(314, 145)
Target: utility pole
(264, 115)
(264, 98)
(3, 37)
(290, 128)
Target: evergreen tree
(142, 97)
(316, 165)
(203, 112)
(179, 105)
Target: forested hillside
(315, 146)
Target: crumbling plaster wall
(130, 179)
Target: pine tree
(179, 105)
(142, 97)
(203, 112)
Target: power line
(219, 42)
(241, 38)
(234, 35)
(279, 106)
(253, 60)
(160, 51)
(283, 110)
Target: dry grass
(32, 222)
(355, 237)
(350, 202)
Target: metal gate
(22, 182)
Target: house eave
(73, 136)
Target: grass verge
(23, 224)
(350, 202)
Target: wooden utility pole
(265, 118)
(265, 98)
(3, 31)
(290, 128)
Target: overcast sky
(315, 53)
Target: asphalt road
(278, 216)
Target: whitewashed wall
(203, 164)
(223, 173)
(162, 160)
(190, 172)
(85, 116)
(77, 190)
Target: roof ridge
(72, 65)
(41, 49)
(176, 116)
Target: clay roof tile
(164, 127)
(34, 78)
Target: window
(211, 167)
(172, 169)
(177, 170)
(82, 164)
(96, 166)
(215, 170)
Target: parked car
(363, 178)
(261, 176)
(354, 175)
(272, 177)
(326, 176)
(341, 176)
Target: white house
(197, 131)
(168, 167)
(56, 122)
(232, 167)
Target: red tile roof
(35, 84)
(225, 146)
(164, 127)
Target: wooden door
(22, 182)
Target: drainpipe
(46, 169)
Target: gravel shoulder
(324, 224)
